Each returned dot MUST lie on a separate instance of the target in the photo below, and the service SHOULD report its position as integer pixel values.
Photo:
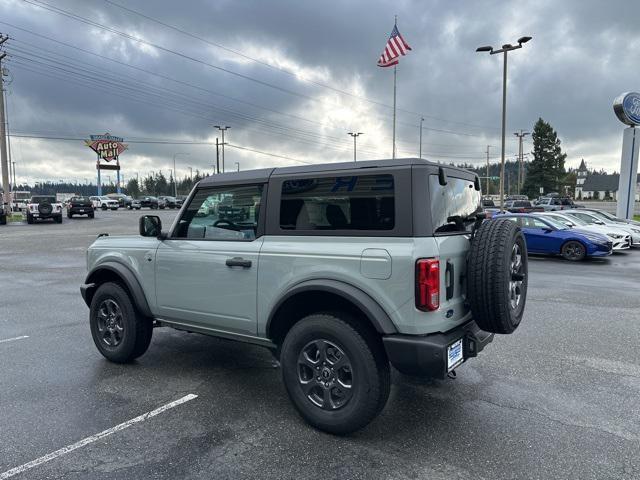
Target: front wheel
(337, 376)
(573, 251)
(118, 330)
(103, 206)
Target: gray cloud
(583, 55)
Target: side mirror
(150, 226)
(569, 224)
(598, 222)
(548, 230)
(442, 177)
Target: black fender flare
(373, 311)
(127, 277)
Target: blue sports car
(546, 235)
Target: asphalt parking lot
(560, 398)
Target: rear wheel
(573, 251)
(29, 219)
(58, 219)
(103, 206)
(91, 215)
(337, 376)
(69, 215)
(119, 332)
(497, 276)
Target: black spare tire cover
(497, 276)
(45, 208)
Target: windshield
(454, 205)
(576, 220)
(41, 199)
(558, 225)
(608, 216)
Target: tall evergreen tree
(546, 170)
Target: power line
(281, 69)
(73, 16)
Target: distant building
(597, 186)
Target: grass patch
(636, 217)
(15, 217)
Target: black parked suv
(149, 202)
(80, 206)
(170, 202)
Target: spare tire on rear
(497, 276)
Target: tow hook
(452, 374)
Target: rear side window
(358, 202)
(454, 205)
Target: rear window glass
(359, 202)
(521, 203)
(80, 199)
(454, 205)
(42, 199)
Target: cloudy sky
(291, 78)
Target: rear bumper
(427, 355)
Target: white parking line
(93, 438)
(14, 338)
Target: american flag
(395, 47)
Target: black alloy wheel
(574, 251)
(325, 374)
(110, 322)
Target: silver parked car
(342, 270)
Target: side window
(359, 202)
(224, 213)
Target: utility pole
(237, 166)
(222, 129)
(488, 169)
(421, 121)
(3, 130)
(191, 174)
(355, 135)
(520, 136)
(217, 156)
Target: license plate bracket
(455, 354)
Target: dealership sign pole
(108, 148)
(627, 109)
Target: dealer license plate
(82, 210)
(454, 355)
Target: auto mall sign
(106, 146)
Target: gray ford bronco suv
(340, 269)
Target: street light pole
(354, 135)
(237, 166)
(175, 182)
(505, 48)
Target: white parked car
(596, 218)
(613, 218)
(620, 239)
(104, 202)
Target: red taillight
(428, 284)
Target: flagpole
(395, 76)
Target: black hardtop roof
(262, 175)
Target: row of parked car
(114, 201)
(574, 233)
(47, 207)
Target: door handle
(238, 262)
